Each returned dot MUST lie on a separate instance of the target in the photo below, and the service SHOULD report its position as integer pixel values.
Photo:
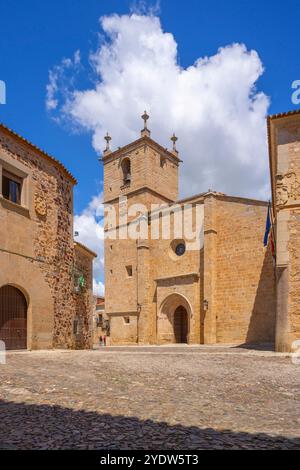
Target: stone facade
(284, 142)
(221, 291)
(37, 251)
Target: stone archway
(13, 317)
(40, 304)
(174, 320)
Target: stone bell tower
(140, 173)
(142, 170)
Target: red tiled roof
(286, 114)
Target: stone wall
(39, 233)
(245, 283)
(284, 140)
(83, 298)
(294, 272)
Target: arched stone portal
(174, 320)
(13, 318)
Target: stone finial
(108, 139)
(174, 140)
(145, 131)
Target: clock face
(180, 249)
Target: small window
(127, 320)
(129, 271)
(11, 187)
(180, 249)
(177, 249)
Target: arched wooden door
(13, 318)
(181, 325)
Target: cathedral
(228, 288)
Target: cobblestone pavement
(150, 398)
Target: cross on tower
(108, 139)
(145, 131)
(174, 140)
(145, 118)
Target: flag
(268, 225)
(269, 233)
(272, 241)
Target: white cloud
(213, 105)
(51, 102)
(60, 81)
(98, 288)
(89, 225)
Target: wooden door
(180, 325)
(13, 318)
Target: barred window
(11, 187)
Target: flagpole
(272, 236)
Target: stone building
(284, 151)
(45, 277)
(159, 289)
(100, 321)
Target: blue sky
(36, 35)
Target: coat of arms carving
(40, 205)
(287, 189)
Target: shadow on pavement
(257, 346)
(26, 426)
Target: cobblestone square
(150, 398)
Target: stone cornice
(145, 140)
(138, 190)
(176, 276)
(119, 314)
(243, 200)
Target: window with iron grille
(11, 187)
